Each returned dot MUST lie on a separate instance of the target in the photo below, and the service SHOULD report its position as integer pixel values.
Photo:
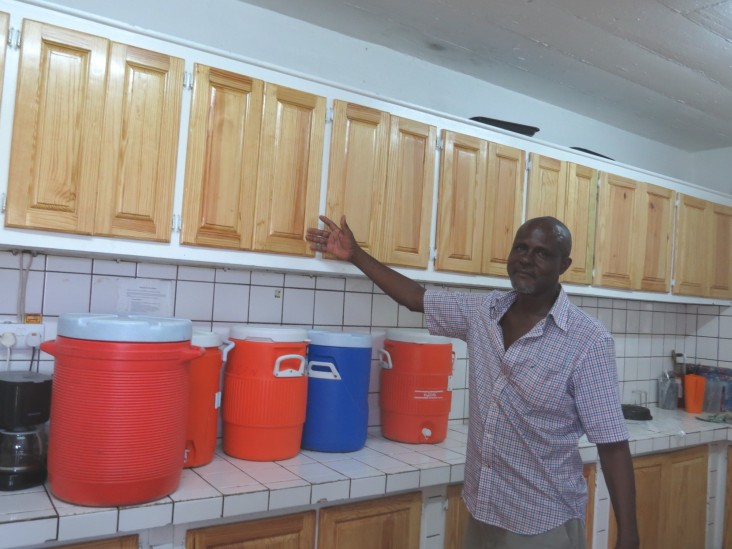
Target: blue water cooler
(338, 369)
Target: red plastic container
(204, 397)
(414, 398)
(118, 412)
(265, 393)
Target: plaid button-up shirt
(529, 405)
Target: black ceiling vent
(512, 126)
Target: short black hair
(560, 231)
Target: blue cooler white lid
(124, 327)
(415, 336)
(339, 339)
(204, 338)
(271, 334)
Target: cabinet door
(461, 203)
(580, 216)
(456, 516)
(649, 504)
(286, 532)
(290, 165)
(410, 184)
(618, 204)
(504, 204)
(547, 187)
(589, 471)
(692, 245)
(123, 542)
(720, 258)
(387, 523)
(59, 111)
(357, 173)
(652, 237)
(685, 494)
(140, 144)
(221, 162)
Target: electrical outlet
(26, 335)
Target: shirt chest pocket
(538, 387)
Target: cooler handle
(49, 346)
(289, 373)
(225, 351)
(385, 364)
(331, 374)
(193, 352)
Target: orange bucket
(414, 398)
(204, 397)
(117, 430)
(265, 393)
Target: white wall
(713, 169)
(266, 37)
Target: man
(542, 373)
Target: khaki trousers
(479, 535)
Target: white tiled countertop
(229, 487)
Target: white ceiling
(658, 68)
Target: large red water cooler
(415, 397)
(118, 414)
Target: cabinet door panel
(685, 491)
(59, 111)
(286, 532)
(461, 203)
(140, 144)
(615, 237)
(720, 256)
(547, 187)
(357, 173)
(291, 158)
(385, 523)
(221, 164)
(504, 204)
(692, 245)
(409, 189)
(653, 237)
(580, 215)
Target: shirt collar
(559, 311)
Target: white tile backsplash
(66, 292)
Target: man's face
(536, 260)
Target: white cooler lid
(339, 339)
(278, 334)
(124, 327)
(204, 338)
(415, 336)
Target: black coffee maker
(25, 406)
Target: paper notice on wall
(145, 296)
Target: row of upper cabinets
(95, 143)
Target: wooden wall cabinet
(381, 177)
(480, 204)
(95, 136)
(254, 164)
(568, 192)
(122, 542)
(388, 523)
(634, 229)
(671, 499)
(285, 532)
(727, 536)
(703, 260)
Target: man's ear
(566, 262)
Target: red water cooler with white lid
(118, 414)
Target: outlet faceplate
(26, 335)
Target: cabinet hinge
(176, 223)
(2, 202)
(14, 38)
(529, 164)
(187, 81)
(329, 115)
(440, 144)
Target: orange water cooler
(265, 393)
(415, 397)
(204, 397)
(118, 412)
